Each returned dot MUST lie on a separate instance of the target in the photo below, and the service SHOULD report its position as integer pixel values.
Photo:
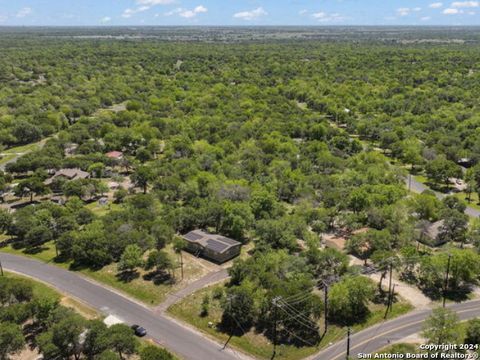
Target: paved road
(418, 187)
(195, 346)
(378, 337)
(183, 341)
(210, 279)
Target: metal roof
(214, 242)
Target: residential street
(192, 345)
(181, 340)
(379, 336)
(418, 187)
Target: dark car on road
(139, 331)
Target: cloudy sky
(239, 12)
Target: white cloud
(129, 12)
(302, 12)
(173, 12)
(425, 18)
(155, 2)
(105, 19)
(24, 12)
(465, 4)
(320, 15)
(145, 5)
(451, 11)
(250, 15)
(325, 17)
(417, 9)
(404, 11)
(188, 14)
(435, 5)
(200, 9)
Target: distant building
(428, 233)
(115, 155)
(213, 247)
(68, 174)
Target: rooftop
(217, 243)
(70, 174)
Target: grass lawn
(474, 203)
(24, 148)
(137, 287)
(189, 309)
(6, 158)
(101, 210)
(400, 348)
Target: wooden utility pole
(229, 299)
(445, 286)
(275, 304)
(181, 262)
(349, 331)
(390, 281)
(391, 298)
(325, 287)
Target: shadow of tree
(127, 276)
(159, 277)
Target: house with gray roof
(214, 247)
(68, 174)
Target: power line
(295, 311)
(299, 321)
(298, 337)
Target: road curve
(191, 345)
(381, 335)
(183, 341)
(417, 187)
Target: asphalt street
(417, 187)
(187, 343)
(192, 345)
(381, 335)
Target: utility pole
(409, 182)
(274, 303)
(348, 343)
(181, 262)
(390, 306)
(390, 281)
(445, 286)
(389, 290)
(229, 299)
(325, 287)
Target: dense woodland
(272, 144)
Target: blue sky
(239, 12)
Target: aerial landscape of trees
(278, 145)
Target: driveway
(207, 280)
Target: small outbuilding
(214, 247)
